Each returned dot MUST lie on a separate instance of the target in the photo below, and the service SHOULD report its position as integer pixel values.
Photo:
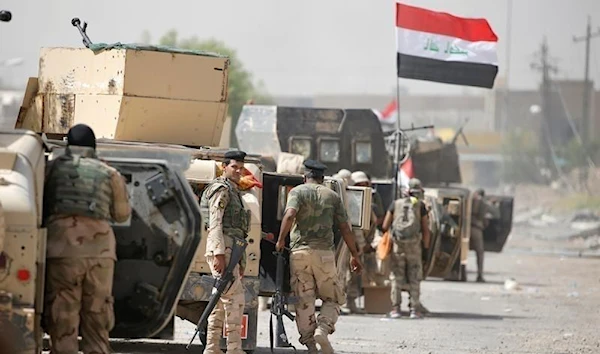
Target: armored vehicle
(167, 121)
(340, 138)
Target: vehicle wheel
(463, 273)
(249, 351)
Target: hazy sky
(304, 47)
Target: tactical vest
(235, 218)
(78, 185)
(406, 225)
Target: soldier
(480, 209)
(81, 195)
(407, 218)
(415, 189)
(364, 241)
(345, 175)
(226, 219)
(311, 212)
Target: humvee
(156, 131)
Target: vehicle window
(355, 203)
(301, 147)
(363, 151)
(329, 151)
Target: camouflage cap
(236, 155)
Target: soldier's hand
(280, 245)
(219, 263)
(241, 271)
(355, 265)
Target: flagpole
(398, 135)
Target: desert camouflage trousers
(229, 311)
(78, 296)
(314, 275)
(406, 268)
(353, 280)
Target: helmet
(480, 192)
(414, 183)
(360, 177)
(344, 173)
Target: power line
(586, 81)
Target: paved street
(554, 311)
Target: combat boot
(414, 314)
(395, 313)
(321, 338)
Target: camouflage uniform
(480, 209)
(406, 263)
(227, 218)
(81, 194)
(312, 258)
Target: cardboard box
(143, 119)
(129, 72)
(377, 299)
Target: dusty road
(556, 310)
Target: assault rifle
(220, 285)
(279, 308)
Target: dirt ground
(554, 309)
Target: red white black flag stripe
(440, 47)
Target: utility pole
(543, 65)
(584, 126)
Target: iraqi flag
(389, 113)
(406, 173)
(436, 46)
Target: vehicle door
(451, 211)
(276, 187)
(497, 230)
(155, 247)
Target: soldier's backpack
(407, 219)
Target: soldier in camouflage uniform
(81, 195)
(480, 208)
(312, 211)
(407, 218)
(363, 241)
(415, 189)
(226, 218)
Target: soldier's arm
(215, 243)
(291, 209)
(389, 217)
(121, 207)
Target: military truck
(173, 119)
(353, 139)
